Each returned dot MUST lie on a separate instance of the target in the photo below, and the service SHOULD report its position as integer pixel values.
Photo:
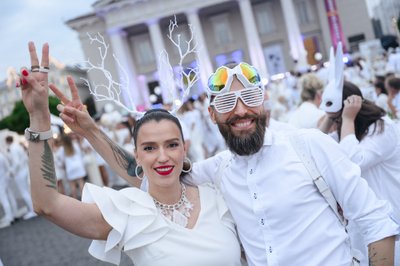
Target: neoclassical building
(274, 35)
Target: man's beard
(244, 143)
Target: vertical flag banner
(335, 27)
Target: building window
(143, 50)
(354, 42)
(222, 31)
(265, 18)
(305, 12)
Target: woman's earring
(190, 165)
(137, 170)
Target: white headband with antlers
(332, 97)
(178, 87)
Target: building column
(296, 44)
(202, 55)
(253, 40)
(165, 73)
(131, 93)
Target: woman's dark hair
(158, 115)
(380, 85)
(155, 115)
(369, 113)
(394, 83)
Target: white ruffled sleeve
(133, 217)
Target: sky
(39, 21)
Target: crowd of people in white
(293, 100)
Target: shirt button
(262, 221)
(255, 195)
(251, 171)
(270, 249)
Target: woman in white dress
(372, 140)
(171, 224)
(74, 165)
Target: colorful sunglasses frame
(237, 70)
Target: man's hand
(73, 112)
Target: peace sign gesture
(34, 87)
(73, 112)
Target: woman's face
(160, 151)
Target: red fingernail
(25, 72)
(24, 82)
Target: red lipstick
(164, 170)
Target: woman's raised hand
(352, 106)
(34, 86)
(73, 112)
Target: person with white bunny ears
(371, 140)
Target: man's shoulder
(311, 136)
(306, 133)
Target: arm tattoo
(123, 158)
(48, 170)
(372, 260)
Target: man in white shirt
(282, 218)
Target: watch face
(35, 136)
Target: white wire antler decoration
(111, 91)
(185, 74)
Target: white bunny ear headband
(178, 86)
(332, 97)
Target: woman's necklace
(179, 212)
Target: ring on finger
(44, 70)
(35, 68)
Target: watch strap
(38, 136)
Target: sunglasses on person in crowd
(226, 102)
(220, 82)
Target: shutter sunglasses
(220, 82)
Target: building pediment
(107, 5)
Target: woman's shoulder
(122, 199)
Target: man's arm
(358, 201)
(205, 171)
(381, 252)
(120, 160)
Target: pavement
(38, 242)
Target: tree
(18, 120)
(398, 23)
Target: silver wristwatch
(37, 136)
